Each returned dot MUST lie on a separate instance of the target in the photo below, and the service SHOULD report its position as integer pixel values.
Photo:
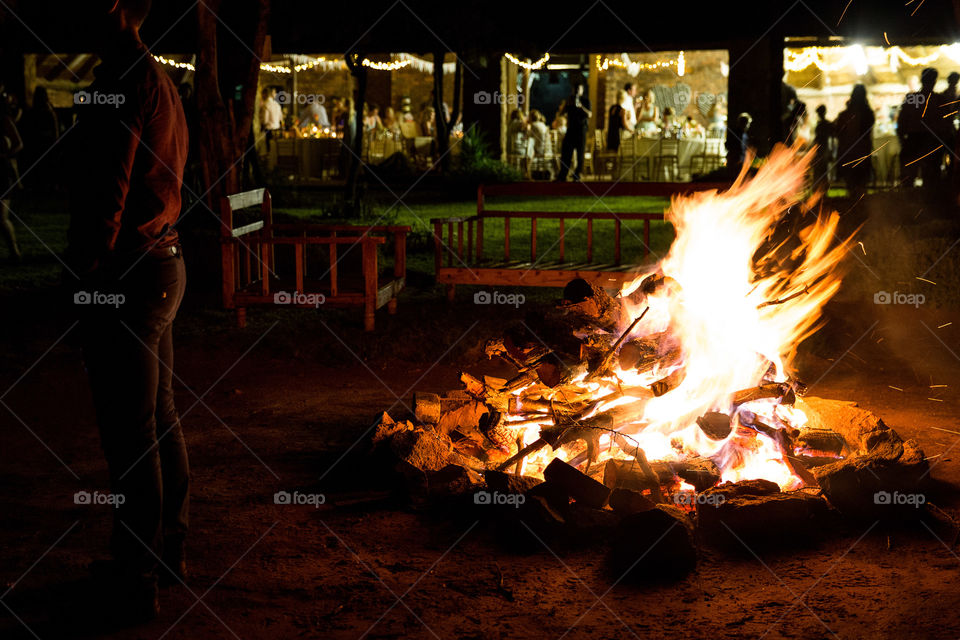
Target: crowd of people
(632, 114)
(924, 128)
(315, 119)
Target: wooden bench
(251, 253)
(459, 256)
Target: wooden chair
(632, 161)
(606, 163)
(254, 257)
(668, 159)
(713, 155)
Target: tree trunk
(359, 72)
(226, 125)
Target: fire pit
(672, 408)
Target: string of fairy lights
(635, 68)
(861, 58)
(399, 61)
(405, 60)
(530, 66)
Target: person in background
(428, 122)
(648, 115)
(271, 114)
(560, 119)
(41, 131)
(738, 141)
(10, 146)
(717, 116)
(917, 137)
(823, 138)
(390, 121)
(947, 104)
(621, 120)
(517, 134)
(692, 128)
(315, 115)
(122, 240)
(372, 121)
(335, 113)
(629, 105)
(578, 115)
(854, 129)
(669, 123)
(540, 134)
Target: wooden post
(506, 239)
(369, 282)
(616, 241)
(589, 239)
(460, 240)
(561, 239)
(399, 254)
(298, 259)
(334, 286)
(533, 240)
(469, 240)
(437, 246)
(227, 249)
(449, 244)
(479, 240)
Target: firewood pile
(583, 477)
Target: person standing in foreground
(124, 251)
(578, 120)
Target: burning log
(629, 474)
(578, 486)
(781, 390)
(822, 442)
(653, 545)
(669, 383)
(643, 354)
(603, 366)
(715, 425)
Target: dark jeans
(572, 141)
(128, 350)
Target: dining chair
(668, 159)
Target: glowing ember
(742, 286)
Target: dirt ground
(273, 419)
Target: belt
(165, 252)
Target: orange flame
(753, 267)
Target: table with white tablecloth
(636, 153)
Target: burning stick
(605, 361)
(790, 297)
